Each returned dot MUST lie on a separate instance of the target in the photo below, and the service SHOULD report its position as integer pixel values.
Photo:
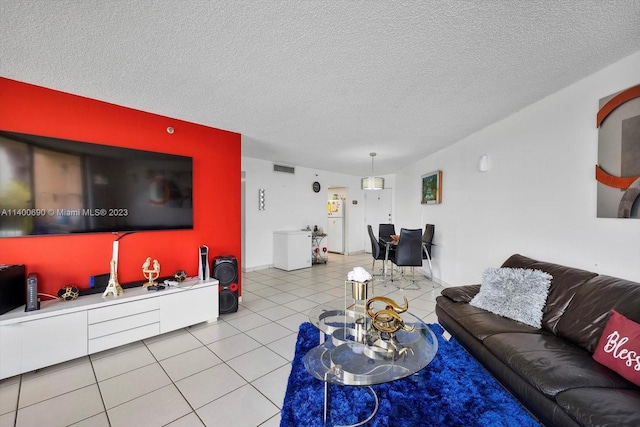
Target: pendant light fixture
(372, 182)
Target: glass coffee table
(352, 352)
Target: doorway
(377, 210)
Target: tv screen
(57, 186)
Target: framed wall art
(618, 168)
(431, 188)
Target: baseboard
(434, 279)
(355, 253)
(256, 268)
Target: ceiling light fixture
(372, 182)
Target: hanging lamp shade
(372, 182)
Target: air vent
(283, 168)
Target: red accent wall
(63, 260)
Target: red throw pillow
(619, 347)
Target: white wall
(291, 204)
(538, 197)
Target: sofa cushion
(588, 312)
(619, 347)
(481, 323)
(552, 364)
(516, 293)
(461, 293)
(565, 282)
(593, 407)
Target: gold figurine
(388, 319)
(151, 274)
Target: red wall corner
(65, 260)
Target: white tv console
(65, 330)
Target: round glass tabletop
(355, 353)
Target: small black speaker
(228, 298)
(225, 269)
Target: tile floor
(229, 373)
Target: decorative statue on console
(151, 274)
(113, 287)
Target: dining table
(389, 243)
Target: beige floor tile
(189, 420)
(266, 334)
(246, 364)
(210, 384)
(287, 286)
(11, 380)
(272, 422)
(163, 337)
(175, 344)
(189, 363)
(285, 347)
(259, 304)
(283, 298)
(276, 313)
(267, 292)
(231, 409)
(248, 322)
(321, 298)
(293, 322)
(56, 382)
(430, 318)
(213, 332)
(8, 419)
(274, 385)
(301, 304)
(100, 420)
(154, 409)
(62, 410)
(57, 367)
(302, 292)
(338, 292)
(9, 397)
(233, 346)
(123, 388)
(242, 312)
(272, 281)
(112, 351)
(118, 363)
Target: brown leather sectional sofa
(551, 370)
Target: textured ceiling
(319, 84)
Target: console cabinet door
(10, 350)
(34, 344)
(188, 307)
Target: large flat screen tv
(56, 186)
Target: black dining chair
(385, 231)
(378, 250)
(408, 252)
(427, 243)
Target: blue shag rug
(453, 390)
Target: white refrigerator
(336, 215)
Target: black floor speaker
(225, 269)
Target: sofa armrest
(461, 293)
